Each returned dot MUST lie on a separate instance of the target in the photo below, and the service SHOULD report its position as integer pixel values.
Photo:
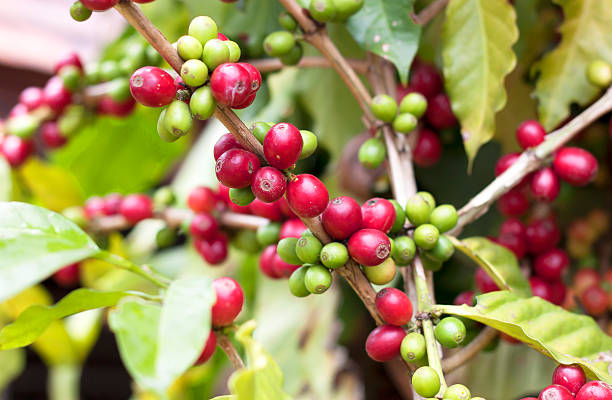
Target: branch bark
(429, 12)
(230, 351)
(274, 64)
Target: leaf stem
(228, 348)
(144, 271)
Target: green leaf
(35, 320)
(499, 263)
(386, 28)
(52, 187)
(586, 35)
(566, 337)
(477, 50)
(34, 243)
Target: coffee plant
(107, 176)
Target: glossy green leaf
(478, 36)
(35, 320)
(499, 262)
(386, 28)
(34, 243)
(564, 336)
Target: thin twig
(429, 12)
(468, 352)
(274, 64)
(228, 348)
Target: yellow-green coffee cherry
(202, 103)
(162, 131)
(599, 73)
(241, 197)
(260, 129)
(234, 50)
(322, 10)
(297, 282)
(457, 392)
(405, 123)
(426, 382)
(444, 217)
(372, 153)
(286, 251)
(278, 43)
(346, 8)
(426, 236)
(194, 72)
(308, 249)
(334, 255)
(79, 12)
(287, 21)
(418, 209)
(310, 143)
(268, 234)
(413, 103)
(384, 107)
(450, 332)
(203, 28)
(294, 55)
(178, 119)
(382, 273)
(413, 347)
(317, 279)
(189, 48)
(443, 250)
(404, 250)
(215, 53)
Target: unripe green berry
(450, 332)
(109, 70)
(260, 129)
(71, 77)
(92, 73)
(245, 240)
(413, 347)
(297, 282)
(189, 48)
(278, 43)
(599, 73)
(234, 50)
(286, 251)
(444, 217)
(202, 103)
(430, 263)
(443, 250)
(164, 197)
(119, 89)
(400, 216)
(457, 392)
(382, 273)
(426, 236)
(79, 12)
(334, 255)
(405, 123)
(76, 214)
(165, 237)
(268, 234)
(294, 55)
(203, 28)
(322, 10)
(307, 232)
(178, 119)
(194, 72)
(428, 197)
(310, 143)
(162, 131)
(372, 153)
(215, 53)
(384, 107)
(418, 210)
(317, 279)
(413, 103)
(241, 197)
(308, 249)
(346, 8)
(404, 250)
(72, 119)
(24, 125)
(426, 382)
(287, 21)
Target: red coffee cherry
(254, 75)
(595, 390)
(559, 292)
(555, 392)
(230, 84)
(595, 300)
(99, 5)
(225, 143)
(152, 87)
(584, 279)
(540, 288)
(281, 268)
(425, 79)
(221, 36)
(16, 150)
(514, 243)
(551, 264)
(514, 203)
(394, 306)
(112, 204)
(94, 207)
(428, 149)
(530, 133)
(214, 250)
(136, 207)
(202, 199)
(56, 96)
(285, 209)
(67, 276)
(203, 226)
(249, 100)
(266, 262)
(383, 343)
(342, 217)
(575, 165)
(17, 110)
(545, 185)
(484, 282)
(236, 168)
(108, 106)
(208, 350)
(466, 298)
(283, 145)
(369, 247)
(378, 213)
(504, 162)
(439, 113)
(307, 195)
(69, 59)
(228, 305)
(542, 234)
(269, 184)
(292, 228)
(271, 211)
(572, 377)
(32, 97)
(51, 135)
(513, 226)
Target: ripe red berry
(504, 162)
(282, 268)
(208, 350)
(283, 145)
(369, 247)
(32, 97)
(266, 262)
(249, 100)
(514, 203)
(595, 390)
(225, 143)
(307, 195)
(428, 149)
(236, 168)
(572, 377)
(439, 113)
(394, 306)
(484, 282)
(530, 133)
(540, 288)
(555, 392)
(67, 276)
(383, 343)
(230, 84)
(594, 300)
(230, 298)
(285, 209)
(584, 279)
(108, 106)
(56, 96)
(425, 79)
(342, 217)
(152, 87)
(136, 207)
(17, 110)
(202, 199)
(559, 292)
(551, 264)
(271, 211)
(203, 226)
(514, 243)
(112, 204)
(15, 149)
(292, 228)
(51, 135)
(542, 234)
(94, 207)
(466, 297)
(69, 59)
(575, 165)
(221, 36)
(99, 5)
(254, 76)
(269, 184)
(213, 250)
(378, 214)
(545, 185)
(513, 226)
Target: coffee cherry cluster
(426, 383)
(333, 10)
(283, 44)
(569, 382)
(593, 292)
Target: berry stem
(228, 348)
(144, 271)
(274, 64)
(429, 12)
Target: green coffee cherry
(260, 129)
(23, 126)
(450, 332)
(444, 217)
(287, 21)
(189, 48)
(245, 240)
(308, 249)
(297, 282)
(119, 89)
(76, 215)
(278, 43)
(405, 123)
(404, 250)
(241, 197)
(79, 12)
(430, 263)
(202, 103)
(203, 28)
(372, 153)
(215, 53)
(413, 347)
(234, 50)
(136, 52)
(194, 72)
(152, 56)
(384, 107)
(294, 55)
(109, 70)
(286, 251)
(334, 255)
(418, 210)
(426, 236)
(322, 10)
(457, 392)
(346, 8)
(92, 73)
(413, 103)
(178, 119)
(443, 250)
(599, 73)
(128, 65)
(72, 119)
(428, 197)
(400, 216)
(310, 143)
(71, 77)
(382, 273)
(317, 279)
(426, 382)
(268, 234)
(165, 237)
(162, 131)
(164, 197)
(307, 232)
